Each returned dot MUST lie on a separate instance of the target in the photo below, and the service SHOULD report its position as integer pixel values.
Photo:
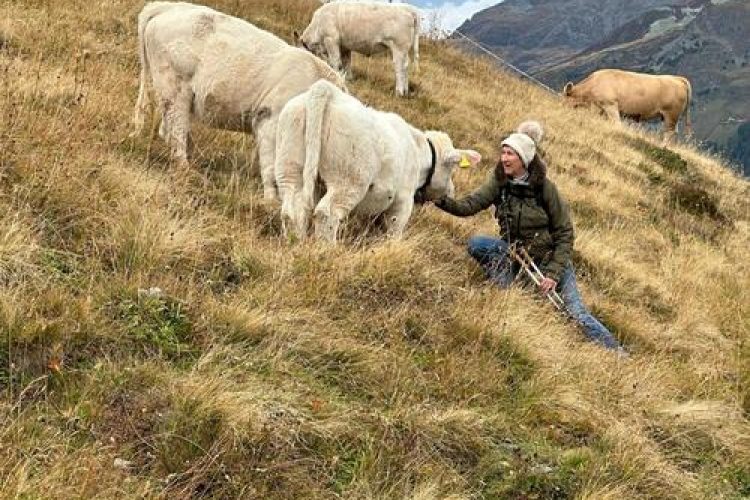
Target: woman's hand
(547, 285)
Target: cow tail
(150, 11)
(688, 125)
(415, 41)
(315, 108)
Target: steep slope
(709, 42)
(160, 338)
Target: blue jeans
(492, 255)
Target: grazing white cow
(334, 155)
(221, 70)
(338, 28)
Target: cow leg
(295, 214)
(327, 219)
(346, 62)
(176, 120)
(288, 167)
(612, 112)
(669, 124)
(401, 66)
(398, 215)
(295, 217)
(266, 138)
(337, 203)
(142, 104)
(334, 53)
(163, 132)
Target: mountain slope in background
(707, 41)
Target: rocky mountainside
(706, 40)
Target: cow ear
(469, 158)
(568, 88)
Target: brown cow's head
(571, 97)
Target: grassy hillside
(160, 338)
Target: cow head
(305, 41)
(447, 158)
(298, 40)
(571, 97)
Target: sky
(452, 14)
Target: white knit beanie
(524, 141)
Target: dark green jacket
(539, 218)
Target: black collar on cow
(420, 195)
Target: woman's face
(512, 164)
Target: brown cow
(635, 95)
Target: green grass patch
(652, 175)
(462, 337)
(665, 158)
(227, 273)
(695, 200)
(689, 448)
(531, 472)
(739, 478)
(348, 465)
(157, 323)
(186, 434)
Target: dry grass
(372, 370)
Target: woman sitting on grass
(532, 214)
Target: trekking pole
(527, 263)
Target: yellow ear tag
(464, 163)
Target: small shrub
(689, 448)
(187, 434)
(665, 158)
(525, 475)
(414, 329)
(61, 264)
(694, 200)
(228, 272)
(348, 466)
(158, 323)
(652, 176)
(739, 477)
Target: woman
(530, 213)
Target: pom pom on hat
(524, 140)
(533, 129)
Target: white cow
(338, 28)
(221, 70)
(367, 162)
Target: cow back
(367, 27)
